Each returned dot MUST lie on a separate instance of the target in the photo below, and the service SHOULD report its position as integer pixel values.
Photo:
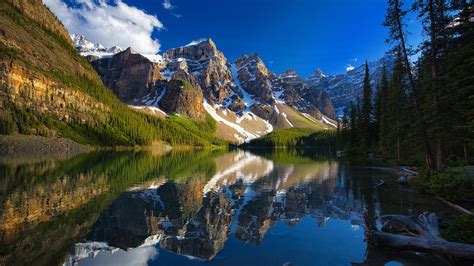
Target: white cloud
(108, 23)
(355, 59)
(167, 5)
(350, 67)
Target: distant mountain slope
(241, 96)
(47, 88)
(346, 88)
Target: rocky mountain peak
(254, 76)
(254, 64)
(197, 51)
(209, 42)
(289, 73)
(318, 74)
(205, 65)
(128, 74)
(291, 76)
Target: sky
(299, 34)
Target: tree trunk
(398, 142)
(466, 156)
(413, 94)
(434, 85)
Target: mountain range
(342, 89)
(244, 97)
(346, 88)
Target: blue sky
(298, 34)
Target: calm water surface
(198, 208)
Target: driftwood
(411, 172)
(381, 183)
(420, 233)
(455, 206)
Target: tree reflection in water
(188, 203)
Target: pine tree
(394, 20)
(394, 107)
(460, 76)
(366, 112)
(381, 111)
(435, 22)
(353, 126)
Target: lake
(260, 207)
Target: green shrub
(6, 126)
(461, 229)
(453, 186)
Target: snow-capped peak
(86, 47)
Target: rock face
(130, 75)
(207, 65)
(346, 88)
(255, 77)
(182, 98)
(40, 95)
(302, 95)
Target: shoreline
(31, 147)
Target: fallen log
(419, 233)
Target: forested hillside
(48, 89)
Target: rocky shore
(34, 147)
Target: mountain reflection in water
(203, 207)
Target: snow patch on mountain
(154, 110)
(247, 98)
(327, 122)
(155, 58)
(247, 136)
(286, 119)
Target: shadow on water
(234, 208)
